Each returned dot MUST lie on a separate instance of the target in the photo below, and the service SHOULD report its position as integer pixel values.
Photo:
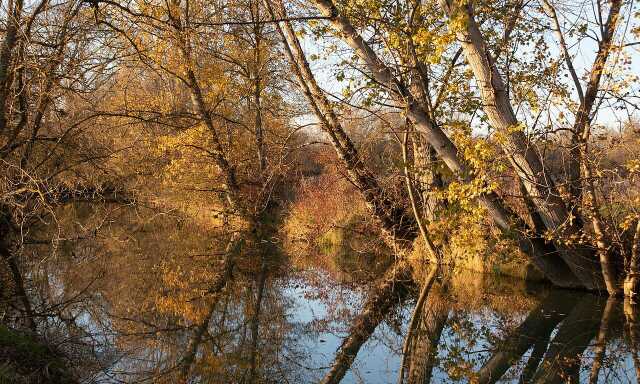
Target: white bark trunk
(522, 154)
(552, 267)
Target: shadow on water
(164, 308)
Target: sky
(583, 53)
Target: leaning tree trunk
(553, 267)
(395, 222)
(522, 154)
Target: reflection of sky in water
(379, 358)
(321, 320)
(375, 362)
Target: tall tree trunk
(417, 213)
(427, 176)
(522, 154)
(605, 253)
(553, 267)
(257, 89)
(580, 152)
(230, 184)
(395, 222)
(632, 280)
(14, 15)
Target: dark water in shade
(139, 311)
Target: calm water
(134, 306)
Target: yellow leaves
(460, 370)
(433, 43)
(516, 128)
(530, 96)
(479, 152)
(466, 193)
(190, 157)
(458, 21)
(300, 33)
(394, 41)
(628, 221)
(213, 365)
(633, 165)
(501, 136)
(372, 7)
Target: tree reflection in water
(156, 310)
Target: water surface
(135, 306)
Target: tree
(551, 213)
